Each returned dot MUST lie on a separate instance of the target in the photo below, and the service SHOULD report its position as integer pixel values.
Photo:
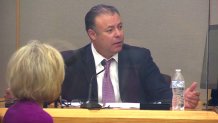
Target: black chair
(214, 98)
(166, 77)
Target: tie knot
(108, 62)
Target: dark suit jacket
(139, 77)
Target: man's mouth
(118, 43)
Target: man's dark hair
(97, 10)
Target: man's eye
(109, 30)
(120, 27)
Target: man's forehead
(102, 18)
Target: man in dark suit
(134, 75)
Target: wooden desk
(2, 103)
(127, 116)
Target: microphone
(90, 104)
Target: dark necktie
(107, 87)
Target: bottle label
(178, 84)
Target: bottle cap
(178, 70)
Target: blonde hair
(36, 72)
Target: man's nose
(118, 32)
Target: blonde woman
(35, 74)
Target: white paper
(123, 105)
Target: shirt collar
(98, 57)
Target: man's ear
(92, 34)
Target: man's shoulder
(134, 54)
(135, 49)
(67, 54)
(73, 56)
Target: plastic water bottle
(178, 86)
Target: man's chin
(118, 49)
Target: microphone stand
(91, 104)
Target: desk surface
(127, 116)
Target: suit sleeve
(155, 86)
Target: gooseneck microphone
(90, 104)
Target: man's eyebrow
(112, 26)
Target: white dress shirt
(113, 74)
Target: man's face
(107, 37)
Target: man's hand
(191, 96)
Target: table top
(127, 116)
(67, 115)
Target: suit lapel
(90, 70)
(129, 83)
(123, 73)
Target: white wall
(174, 30)
(213, 12)
(7, 37)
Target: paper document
(123, 105)
(107, 105)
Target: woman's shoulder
(27, 112)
